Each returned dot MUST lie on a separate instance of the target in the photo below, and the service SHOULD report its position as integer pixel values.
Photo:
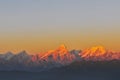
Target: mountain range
(55, 58)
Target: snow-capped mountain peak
(99, 53)
(7, 56)
(94, 51)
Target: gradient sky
(40, 25)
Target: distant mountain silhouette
(59, 57)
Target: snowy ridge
(54, 58)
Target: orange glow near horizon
(36, 44)
(39, 49)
